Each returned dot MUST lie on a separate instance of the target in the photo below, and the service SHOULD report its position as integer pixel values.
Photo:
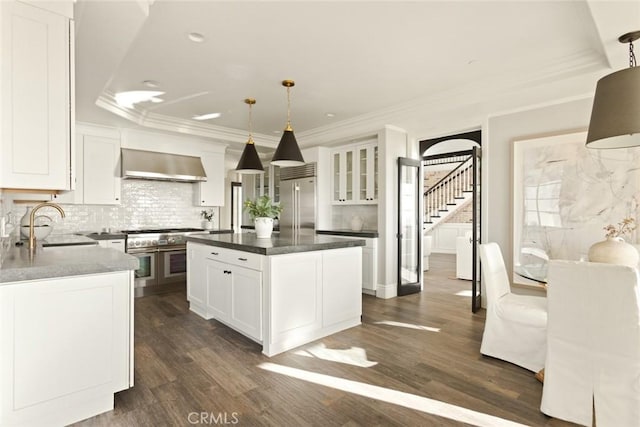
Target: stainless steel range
(163, 258)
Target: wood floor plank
(187, 365)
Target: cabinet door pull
(214, 253)
(242, 259)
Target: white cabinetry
(281, 301)
(355, 174)
(342, 175)
(37, 90)
(211, 191)
(369, 263)
(117, 244)
(66, 346)
(226, 285)
(97, 179)
(197, 278)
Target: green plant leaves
(262, 207)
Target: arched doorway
(452, 190)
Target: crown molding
(147, 119)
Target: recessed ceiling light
(151, 83)
(129, 98)
(207, 116)
(196, 37)
(331, 115)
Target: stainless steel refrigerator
(298, 199)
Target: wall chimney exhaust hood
(152, 165)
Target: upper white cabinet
(354, 174)
(368, 173)
(211, 191)
(343, 164)
(98, 179)
(37, 91)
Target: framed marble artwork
(563, 196)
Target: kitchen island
(281, 292)
(66, 332)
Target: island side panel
(342, 287)
(292, 301)
(310, 295)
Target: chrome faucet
(32, 235)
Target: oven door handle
(142, 251)
(173, 249)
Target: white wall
(392, 143)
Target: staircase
(448, 195)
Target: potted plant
(207, 215)
(262, 211)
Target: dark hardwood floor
(414, 361)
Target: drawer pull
(214, 253)
(242, 259)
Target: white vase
(264, 227)
(614, 250)
(356, 223)
(207, 225)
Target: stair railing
(451, 187)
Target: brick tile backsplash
(145, 204)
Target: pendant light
(249, 161)
(288, 153)
(615, 117)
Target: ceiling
(355, 63)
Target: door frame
(411, 287)
(476, 151)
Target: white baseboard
(387, 291)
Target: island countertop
(51, 262)
(276, 245)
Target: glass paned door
(476, 283)
(336, 178)
(363, 173)
(349, 195)
(409, 227)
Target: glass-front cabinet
(264, 183)
(368, 173)
(355, 174)
(343, 176)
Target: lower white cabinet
(117, 244)
(369, 263)
(66, 346)
(197, 278)
(234, 296)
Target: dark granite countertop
(52, 262)
(105, 236)
(372, 234)
(276, 245)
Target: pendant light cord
(632, 55)
(288, 108)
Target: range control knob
(154, 242)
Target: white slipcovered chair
(593, 344)
(515, 329)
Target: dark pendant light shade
(288, 152)
(615, 117)
(249, 161)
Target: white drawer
(233, 257)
